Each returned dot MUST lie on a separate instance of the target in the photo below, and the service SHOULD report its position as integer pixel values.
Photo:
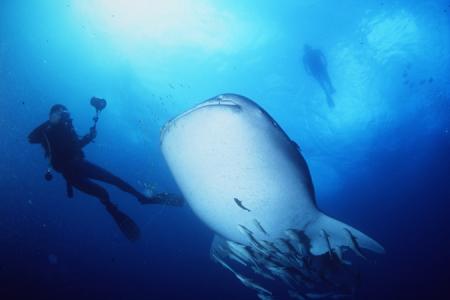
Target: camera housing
(98, 103)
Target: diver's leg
(322, 81)
(98, 173)
(125, 223)
(327, 79)
(89, 187)
(322, 84)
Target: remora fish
(251, 284)
(239, 203)
(229, 147)
(241, 252)
(259, 226)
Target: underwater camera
(98, 103)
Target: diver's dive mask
(65, 115)
(60, 116)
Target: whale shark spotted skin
(229, 148)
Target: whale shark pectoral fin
(327, 234)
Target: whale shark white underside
(248, 181)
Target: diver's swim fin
(163, 198)
(125, 223)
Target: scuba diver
(315, 65)
(64, 151)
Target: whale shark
(228, 148)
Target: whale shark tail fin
(330, 235)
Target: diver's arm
(85, 140)
(88, 137)
(36, 136)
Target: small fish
(292, 235)
(259, 226)
(296, 295)
(289, 247)
(340, 256)
(281, 273)
(251, 284)
(354, 244)
(268, 246)
(263, 296)
(326, 236)
(249, 234)
(326, 295)
(245, 230)
(237, 259)
(241, 251)
(239, 203)
(224, 264)
(262, 273)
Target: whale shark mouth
(220, 101)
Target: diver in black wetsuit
(315, 65)
(63, 148)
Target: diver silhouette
(315, 65)
(64, 151)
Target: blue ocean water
(380, 158)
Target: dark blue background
(380, 159)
